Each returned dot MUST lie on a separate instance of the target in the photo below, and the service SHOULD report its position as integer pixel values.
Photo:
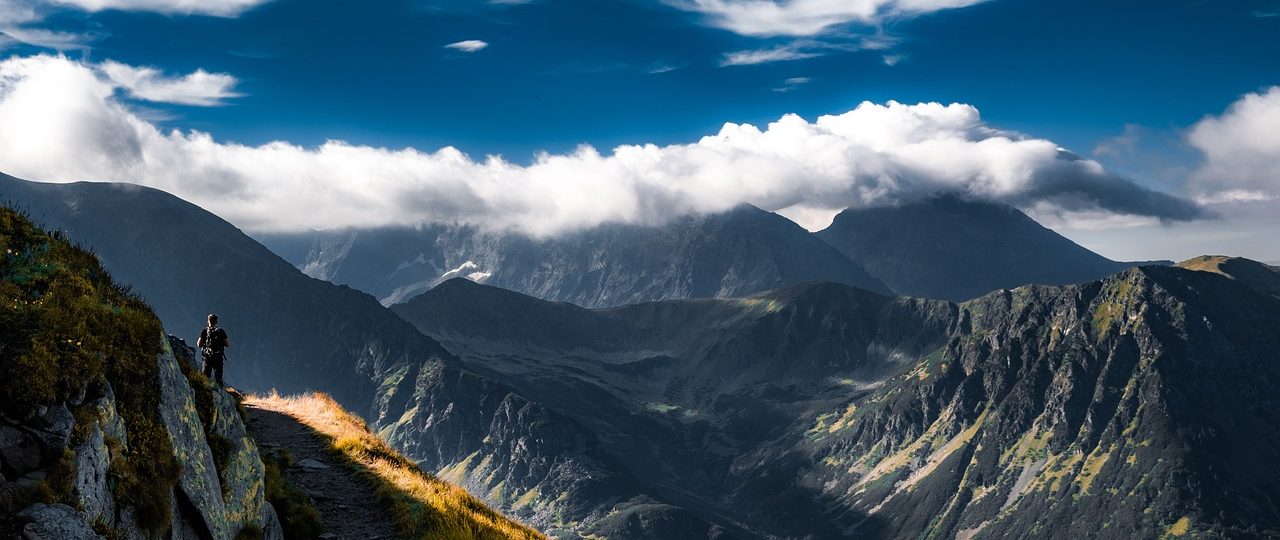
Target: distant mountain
(680, 393)
(736, 253)
(954, 248)
(1138, 406)
(1261, 277)
(295, 333)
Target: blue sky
(1117, 82)
(558, 73)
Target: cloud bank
(1242, 151)
(60, 120)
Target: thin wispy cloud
(827, 25)
(21, 20)
(792, 84)
(798, 18)
(199, 88)
(217, 8)
(61, 120)
(781, 53)
(468, 46)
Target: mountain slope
(952, 248)
(1261, 277)
(676, 391)
(288, 331)
(1121, 408)
(294, 333)
(1137, 406)
(740, 252)
(103, 428)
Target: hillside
(956, 249)
(736, 253)
(290, 332)
(294, 333)
(1121, 408)
(104, 430)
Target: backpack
(215, 340)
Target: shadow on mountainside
(347, 504)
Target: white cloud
(61, 121)
(781, 53)
(199, 88)
(1241, 148)
(770, 18)
(16, 20)
(217, 8)
(470, 45)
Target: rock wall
(219, 494)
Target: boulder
(54, 522)
(19, 452)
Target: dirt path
(347, 504)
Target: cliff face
(105, 431)
(1137, 406)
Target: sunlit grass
(422, 505)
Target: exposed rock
(54, 522)
(242, 476)
(19, 452)
(199, 479)
(54, 429)
(271, 523)
(312, 463)
(91, 488)
(32, 478)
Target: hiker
(212, 343)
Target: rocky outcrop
(54, 522)
(216, 497)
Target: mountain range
(1133, 406)
(946, 247)
(735, 253)
(1137, 404)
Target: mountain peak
(954, 247)
(1258, 276)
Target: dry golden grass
(423, 506)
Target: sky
(1143, 130)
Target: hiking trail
(347, 503)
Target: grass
(299, 518)
(66, 326)
(423, 506)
